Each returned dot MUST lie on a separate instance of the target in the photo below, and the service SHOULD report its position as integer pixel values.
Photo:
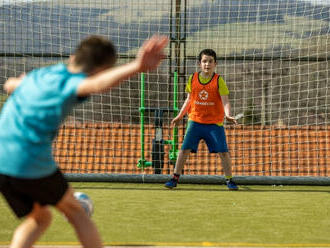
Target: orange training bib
(205, 105)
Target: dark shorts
(214, 136)
(21, 194)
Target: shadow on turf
(243, 188)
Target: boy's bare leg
(180, 161)
(32, 227)
(226, 163)
(83, 225)
(182, 157)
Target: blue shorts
(214, 136)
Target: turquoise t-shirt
(31, 117)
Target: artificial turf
(197, 214)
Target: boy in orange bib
(207, 104)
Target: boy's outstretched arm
(148, 58)
(226, 106)
(183, 111)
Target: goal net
(273, 55)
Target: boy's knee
(69, 206)
(41, 214)
(224, 154)
(186, 151)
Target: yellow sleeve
(188, 85)
(223, 89)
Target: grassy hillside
(291, 36)
(230, 27)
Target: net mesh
(273, 55)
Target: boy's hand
(151, 53)
(231, 119)
(175, 121)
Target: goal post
(273, 55)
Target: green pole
(142, 109)
(174, 151)
(142, 162)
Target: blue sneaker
(231, 185)
(171, 184)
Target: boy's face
(207, 65)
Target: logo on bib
(203, 95)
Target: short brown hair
(95, 52)
(208, 52)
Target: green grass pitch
(197, 214)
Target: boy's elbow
(5, 87)
(87, 88)
(11, 84)
(8, 87)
